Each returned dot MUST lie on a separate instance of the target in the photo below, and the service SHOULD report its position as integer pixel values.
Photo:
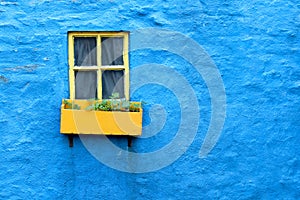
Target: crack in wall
(28, 68)
(3, 79)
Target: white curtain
(112, 81)
(85, 54)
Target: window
(98, 64)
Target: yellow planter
(99, 122)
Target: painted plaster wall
(254, 44)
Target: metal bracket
(70, 137)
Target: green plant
(69, 105)
(100, 105)
(114, 95)
(104, 106)
(114, 104)
(134, 107)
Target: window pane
(85, 51)
(85, 84)
(112, 81)
(112, 50)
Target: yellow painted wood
(85, 68)
(126, 63)
(71, 66)
(99, 72)
(99, 122)
(96, 33)
(113, 67)
(99, 84)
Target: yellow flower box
(82, 121)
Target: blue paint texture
(254, 44)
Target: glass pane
(112, 50)
(112, 81)
(85, 84)
(85, 51)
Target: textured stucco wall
(254, 44)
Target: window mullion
(126, 65)
(99, 72)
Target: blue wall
(254, 44)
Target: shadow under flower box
(82, 121)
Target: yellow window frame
(99, 67)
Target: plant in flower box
(70, 105)
(114, 104)
(113, 116)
